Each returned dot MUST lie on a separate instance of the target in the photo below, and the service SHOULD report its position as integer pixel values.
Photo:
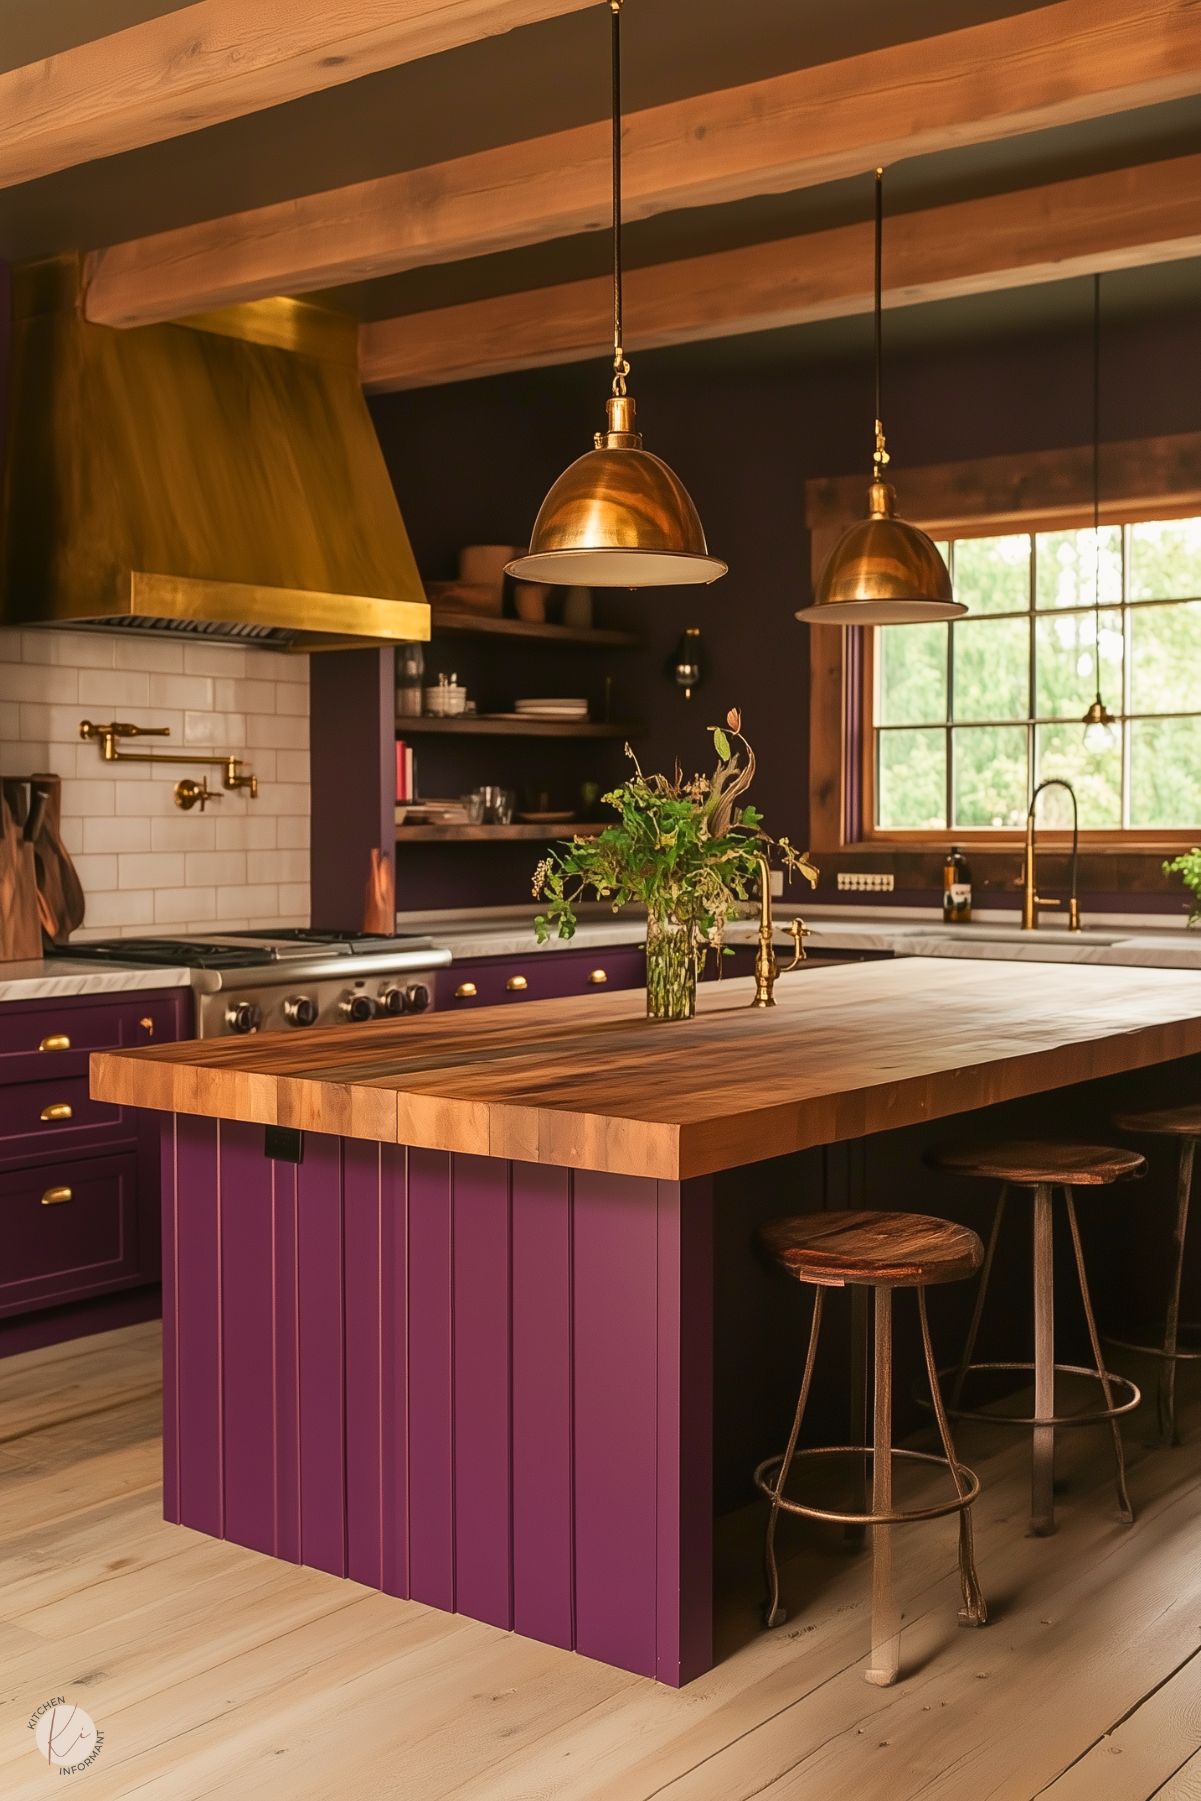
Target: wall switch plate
(777, 884)
(853, 881)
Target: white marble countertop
(1112, 939)
(46, 978)
(508, 932)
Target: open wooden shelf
(495, 834)
(486, 625)
(472, 725)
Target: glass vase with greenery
(686, 849)
(1188, 867)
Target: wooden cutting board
(60, 892)
(20, 926)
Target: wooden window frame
(1152, 478)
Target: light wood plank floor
(214, 1672)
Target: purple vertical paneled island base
(480, 1384)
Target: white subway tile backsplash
(186, 906)
(185, 832)
(95, 872)
(114, 688)
(215, 867)
(217, 731)
(124, 907)
(215, 659)
(104, 833)
(283, 731)
(143, 862)
(181, 691)
(247, 832)
(152, 869)
(258, 901)
(290, 765)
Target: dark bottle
(956, 888)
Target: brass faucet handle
(800, 931)
(1073, 914)
(189, 794)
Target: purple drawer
(69, 1229)
(36, 1117)
(544, 975)
(53, 1038)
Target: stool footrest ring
(1182, 1353)
(1094, 1417)
(897, 1517)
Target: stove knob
(301, 1010)
(394, 1001)
(358, 1007)
(244, 1016)
(417, 998)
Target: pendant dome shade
(618, 517)
(882, 571)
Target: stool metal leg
(886, 1616)
(1119, 1455)
(974, 1611)
(1042, 1474)
(973, 1331)
(1166, 1396)
(774, 1614)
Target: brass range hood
(218, 477)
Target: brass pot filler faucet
(235, 776)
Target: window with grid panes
(970, 714)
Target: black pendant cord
(880, 454)
(1097, 477)
(621, 367)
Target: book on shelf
(406, 774)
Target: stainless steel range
(265, 981)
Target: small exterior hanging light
(882, 571)
(618, 517)
(686, 665)
(1100, 726)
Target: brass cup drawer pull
(466, 991)
(57, 1110)
(598, 977)
(54, 1197)
(55, 1041)
(517, 984)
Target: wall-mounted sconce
(686, 666)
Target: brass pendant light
(618, 517)
(1100, 727)
(882, 571)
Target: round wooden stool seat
(1163, 1122)
(1031, 1163)
(880, 1250)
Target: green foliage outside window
(972, 713)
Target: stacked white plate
(569, 708)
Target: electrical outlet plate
(853, 881)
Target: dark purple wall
(745, 426)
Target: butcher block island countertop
(845, 1052)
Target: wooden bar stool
(880, 1251)
(1183, 1123)
(1041, 1169)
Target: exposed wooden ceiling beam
(1120, 219)
(218, 59)
(1053, 65)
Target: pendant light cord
(880, 454)
(621, 367)
(1097, 477)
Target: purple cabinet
(79, 1179)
